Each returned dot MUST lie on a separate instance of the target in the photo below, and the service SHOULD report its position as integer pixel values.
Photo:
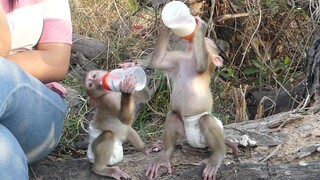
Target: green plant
(263, 71)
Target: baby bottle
(111, 80)
(176, 16)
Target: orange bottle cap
(104, 82)
(190, 37)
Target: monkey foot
(153, 167)
(155, 147)
(211, 169)
(119, 174)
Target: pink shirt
(34, 22)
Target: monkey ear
(217, 60)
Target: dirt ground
(301, 146)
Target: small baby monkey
(191, 100)
(111, 124)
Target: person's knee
(13, 160)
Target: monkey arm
(143, 95)
(126, 114)
(160, 58)
(199, 48)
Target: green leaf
(286, 60)
(250, 71)
(280, 66)
(257, 63)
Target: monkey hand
(153, 167)
(128, 84)
(155, 147)
(211, 169)
(127, 65)
(200, 22)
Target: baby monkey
(111, 124)
(191, 100)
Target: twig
(115, 4)
(253, 34)
(261, 107)
(211, 15)
(156, 112)
(232, 16)
(34, 173)
(140, 8)
(272, 153)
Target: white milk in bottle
(176, 16)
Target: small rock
(307, 127)
(315, 133)
(246, 141)
(303, 163)
(288, 173)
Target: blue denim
(31, 120)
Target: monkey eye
(95, 75)
(90, 85)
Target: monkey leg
(213, 134)
(137, 143)
(102, 148)
(172, 129)
(135, 139)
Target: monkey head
(213, 52)
(92, 83)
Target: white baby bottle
(111, 80)
(176, 16)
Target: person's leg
(33, 113)
(13, 161)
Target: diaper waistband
(195, 117)
(194, 120)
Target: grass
(115, 23)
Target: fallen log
(256, 171)
(245, 167)
(79, 169)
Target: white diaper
(194, 136)
(117, 154)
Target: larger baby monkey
(111, 124)
(191, 100)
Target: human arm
(48, 63)
(5, 38)
(49, 59)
